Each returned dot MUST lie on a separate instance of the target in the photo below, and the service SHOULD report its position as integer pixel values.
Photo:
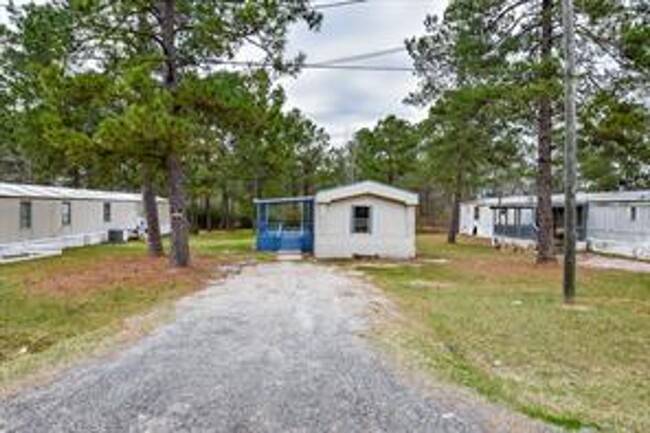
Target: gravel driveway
(278, 348)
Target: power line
(365, 2)
(315, 6)
(367, 68)
(363, 56)
(338, 4)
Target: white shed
(365, 219)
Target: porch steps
(289, 256)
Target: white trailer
(42, 220)
(608, 222)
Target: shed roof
(367, 188)
(16, 190)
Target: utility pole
(569, 281)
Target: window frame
(66, 213)
(107, 212)
(354, 228)
(26, 215)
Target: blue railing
(280, 235)
(276, 237)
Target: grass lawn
(52, 309)
(494, 321)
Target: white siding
(466, 223)
(483, 226)
(611, 229)
(87, 226)
(609, 226)
(485, 223)
(392, 234)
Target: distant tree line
(130, 95)
(490, 76)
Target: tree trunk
(180, 248)
(149, 202)
(225, 209)
(180, 251)
(76, 178)
(154, 239)
(307, 187)
(208, 213)
(428, 207)
(454, 223)
(455, 220)
(545, 251)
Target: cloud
(343, 101)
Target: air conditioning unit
(117, 236)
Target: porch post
(302, 217)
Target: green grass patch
(494, 321)
(54, 308)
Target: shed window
(361, 219)
(477, 212)
(107, 212)
(66, 213)
(633, 213)
(25, 215)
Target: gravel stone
(276, 348)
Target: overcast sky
(341, 100)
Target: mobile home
(610, 222)
(37, 220)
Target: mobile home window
(633, 213)
(107, 212)
(477, 212)
(66, 213)
(361, 219)
(25, 215)
(517, 217)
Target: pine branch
(604, 45)
(495, 22)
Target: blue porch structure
(285, 224)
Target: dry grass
(494, 321)
(50, 307)
(112, 273)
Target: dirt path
(620, 264)
(279, 348)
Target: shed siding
(392, 233)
